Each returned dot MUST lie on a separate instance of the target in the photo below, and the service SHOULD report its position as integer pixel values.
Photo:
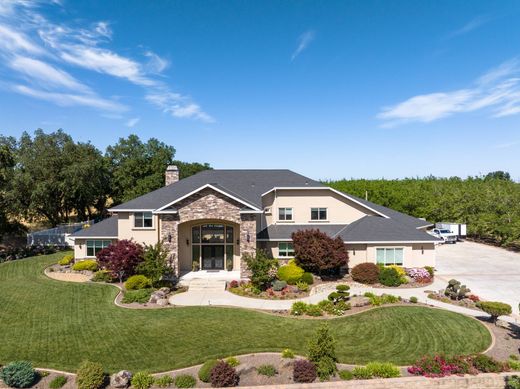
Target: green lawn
(57, 325)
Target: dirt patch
(507, 340)
(69, 277)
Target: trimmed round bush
(102, 276)
(185, 381)
(304, 371)
(299, 308)
(495, 309)
(87, 264)
(90, 375)
(288, 353)
(232, 361)
(365, 273)
(290, 273)
(18, 374)
(66, 260)
(346, 375)
(58, 382)
(205, 370)
(142, 380)
(413, 300)
(223, 375)
(389, 276)
(138, 282)
(307, 278)
(279, 285)
(267, 370)
(164, 381)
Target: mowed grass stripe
(56, 324)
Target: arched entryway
(213, 246)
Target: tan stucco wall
(359, 253)
(413, 254)
(80, 247)
(126, 230)
(340, 210)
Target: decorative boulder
(165, 290)
(359, 301)
(121, 379)
(162, 302)
(158, 295)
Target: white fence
(57, 236)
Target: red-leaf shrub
(233, 284)
(304, 371)
(223, 375)
(317, 252)
(441, 366)
(121, 258)
(366, 273)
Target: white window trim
(326, 220)
(390, 248)
(86, 247)
(286, 220)
(285, 256)
(143, 228)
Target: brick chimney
(171, 175)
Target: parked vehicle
(455, 228)
(446, 235)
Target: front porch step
(206, 285)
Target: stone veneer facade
(209, 204)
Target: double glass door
(213, 257)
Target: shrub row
(11, 254)
(441, 365)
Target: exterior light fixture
(238, 241)
(354, 252)
(187, 242)
(248, 237)
(169, 238)
(422, 250)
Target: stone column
(170, 229)
(247, 241)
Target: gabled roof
(104, 229)
(247, 185)
(368, 229)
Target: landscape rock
(121, 379)
(162, 302)
(164, 290)
(359, 301)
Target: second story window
(285, 214)
(318, 213)
(143, 220)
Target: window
(389, 256)
(284, 213)
(212, 246)
(318, 213)
(95, 246)
(285, 250)
(143, 220)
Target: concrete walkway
(225, 298)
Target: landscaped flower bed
(275, 292)
(392, 276)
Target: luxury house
(209, 220)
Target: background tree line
(52, 178)
(490, 204)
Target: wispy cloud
(473, 24)
(497, 90)
(36, 49)
(507, 145)
(132, 122)
(303, 42)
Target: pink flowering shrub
(442, 366)
(419, 274)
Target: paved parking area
(490, 272)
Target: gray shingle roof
(106, 228)
(247, 185)
(366, 229)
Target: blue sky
(330, 89)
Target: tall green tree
(55, 178)
(7, 162)
(187, 169)
(137, 168)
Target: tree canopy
(490, 205)
(49, 176)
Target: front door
(213, 257)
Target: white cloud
(70, 99)
(303, 42)
(45, 74)
(14, 41)
(132, 122)
(473, 24)
(498, 90)
(178, 106)
(80, 47)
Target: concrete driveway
(490, 272)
